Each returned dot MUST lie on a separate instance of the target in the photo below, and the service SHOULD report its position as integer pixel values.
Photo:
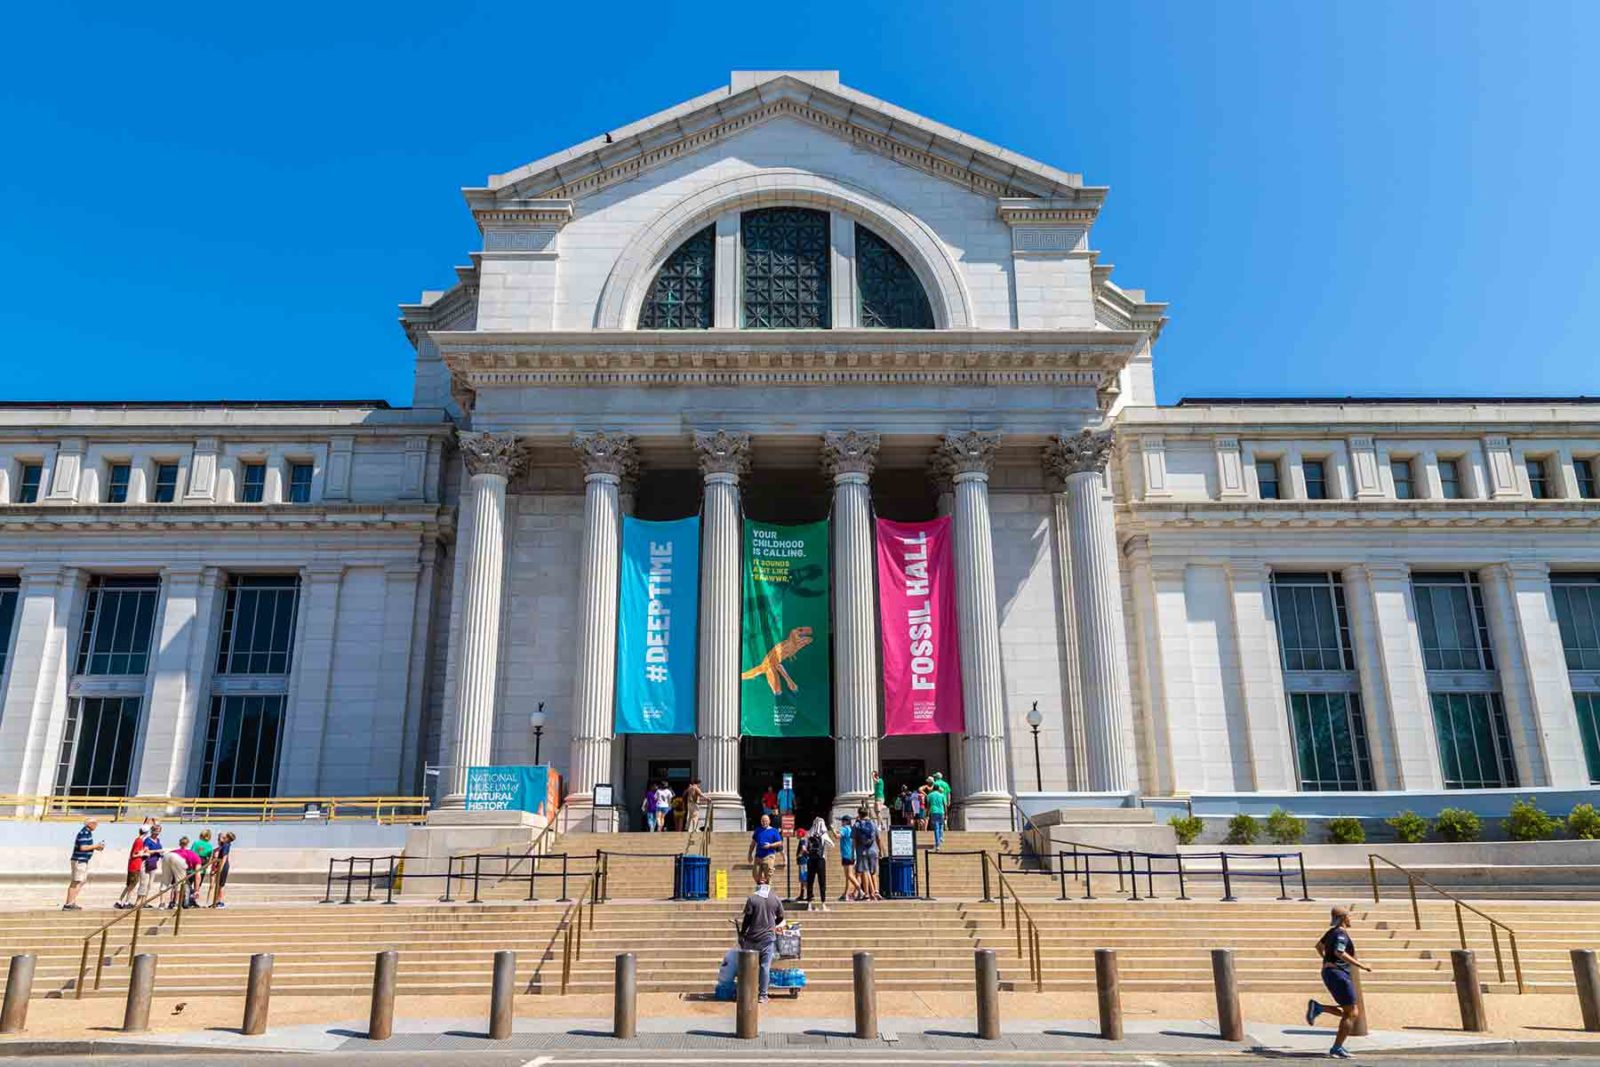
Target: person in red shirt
(130, 891)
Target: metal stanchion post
(349, 881)
(477, 870)
(327, 896)
(1283, 886)
(747, 1010)
(500, 993)
(380, 1020)
(986, 974)
(866, 990)
(257, 994)
(1305, 891)
(19, 987)
(1183, 893)
(1109, 991)
(1061, 872)
(564, 896)
(1587, 975)
(625, 1000)
(141, 987)
(388, 890)
(1230, 1015)
(1469, 992)
(1227, 880)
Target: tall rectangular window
(244, 729)
(252, 482)
(1588, 477)
(1539, 479)
(8, 616)
(117, 475)
(1463, 684)
(165, 490)
(28, 477)
(1267, 479)
(117, 622)
(1321, 685)
(97, 744)
(1450, 479)
(1316, 474)
(1577, 598)
(1404, 488)
(299, 483)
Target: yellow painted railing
(382, 809)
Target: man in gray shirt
(758, 929)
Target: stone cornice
(1332, 420)
(1144, 517)
(1084, 358)
(1045, 211)
(490, 212)
(238, 518)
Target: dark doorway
(675, 772)
(763, 761)
(901, 772)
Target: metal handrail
(1034, 955)
(532, 849)
(1495, 925)
(46, 807)
(707, 826)
(1025, 849)
(572, 932)
(136, 913)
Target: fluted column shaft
(849, 456)
(723, 457)
(594, 687)
(1110, 759)
(479, 659)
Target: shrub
(1584, 822)
(1346, 831)
(1529, 822)
(1187, 827)
(1458, 824)
(1243, 829)
(1285, 829)
(1409, 827)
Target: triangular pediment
(814, 97)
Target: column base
(985, 811)
(848, 804)
(727, 814)
(579, 816)
(451, 802)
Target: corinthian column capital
(1085, 452)
(607, 453)
(490, 453)
(967, 452)
(722, 452)
(849, 453)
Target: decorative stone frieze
(491, 453)
(722, 452)
(849, 452)
(607, 453)
(1085, 452)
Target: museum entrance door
(763, 761)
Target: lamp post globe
(537, 720)
(1034, 719)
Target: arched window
(786, 268)
(891, 296)
(682, 297)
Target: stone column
(33, 696)
(491, 459)
(1072, 708)
(1110, 757)
(607, 459)
(849, 458)
(178, 669)
(986, 800)
(1394, 680)
(723, 458)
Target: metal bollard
(625, 1006)
(141, 987)
(19, 987)
(1108, 988)
(257, 994)
(505, 978)
(1362, 1027)
(1230, 1016)
(987, 976)
(1587, 975)
(380, 1021)
(1469, 993)
(866, 990)
(747, 1019)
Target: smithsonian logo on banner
(784, 683)
(659, 602)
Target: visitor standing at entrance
(766, 849)
(847, 859)
(663, 806)
(879, 812)
(816, 881)
(649, 808)
(692, 798)
(937, 802)
(1338, 956)
(769, 802)
(866, 835)
(83, 850)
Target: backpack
(866, 833)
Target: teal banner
(657, 617)
(516, 788)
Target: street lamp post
(1034, 719)
(536, 720)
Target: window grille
(683, 294)
(890, 296)
(786, 268)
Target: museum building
(806, 318)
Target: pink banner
(921, 649)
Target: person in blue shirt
(865, 832)
(847, 860)
(84, 847)
(1338, 954)
(766, 849)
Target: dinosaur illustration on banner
(771, 665)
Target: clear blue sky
(231, 200)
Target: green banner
(784, 680)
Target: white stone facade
(1118, 561)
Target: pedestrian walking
(219, 866)
(847, 859)
(879, 811)
(130, 889)
(1338, 954)
(84, 846)
(677, 814)
(766, 849)
(663, 807)
(758, 929)
(938, 802)
(866, 835)
(693, 801)
(818, 843)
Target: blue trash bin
(691, 877)
(901, 883)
